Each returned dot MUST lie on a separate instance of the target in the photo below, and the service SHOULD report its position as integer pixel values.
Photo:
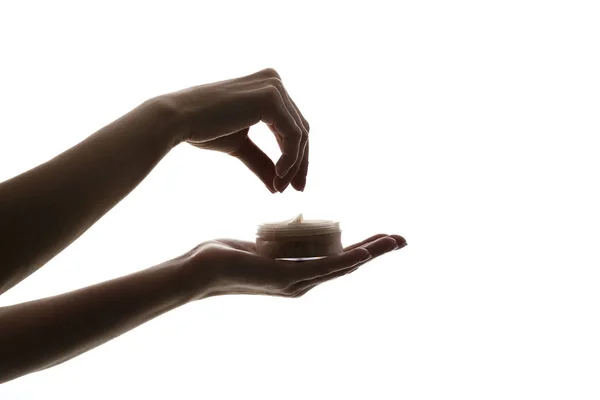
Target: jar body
(300, 247)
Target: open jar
(299, 239)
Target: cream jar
(299, 239)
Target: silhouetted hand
(233, 267)
(218, 116)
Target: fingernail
(401, 245)
(271, 188)
(280, 183)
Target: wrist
(194, 277)
(168, 118)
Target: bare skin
(42, 211)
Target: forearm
(42, 333)
(44, 210)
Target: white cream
(298, 226)
(296, 220)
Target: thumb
(257, 162)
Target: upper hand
(233, 267)
(217, 116)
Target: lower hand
(233, 267)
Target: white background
(469, 127)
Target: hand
(218, 116)
(233, 267)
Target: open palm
(237, 269)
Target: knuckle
(304, 139)
(274, 81)
(270, 72)
(306, 125)
(296, 135)
(293, 136)
(272, 93)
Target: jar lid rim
(306, 228)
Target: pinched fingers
(275, 114)
(292, 138)
(297, 174)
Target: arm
(44, 210)
(46, 332)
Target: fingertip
(270, 185)
(401, 241)
(280, 184)
(299, 183)
(381, 246)
(299, 187)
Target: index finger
(280, 118)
